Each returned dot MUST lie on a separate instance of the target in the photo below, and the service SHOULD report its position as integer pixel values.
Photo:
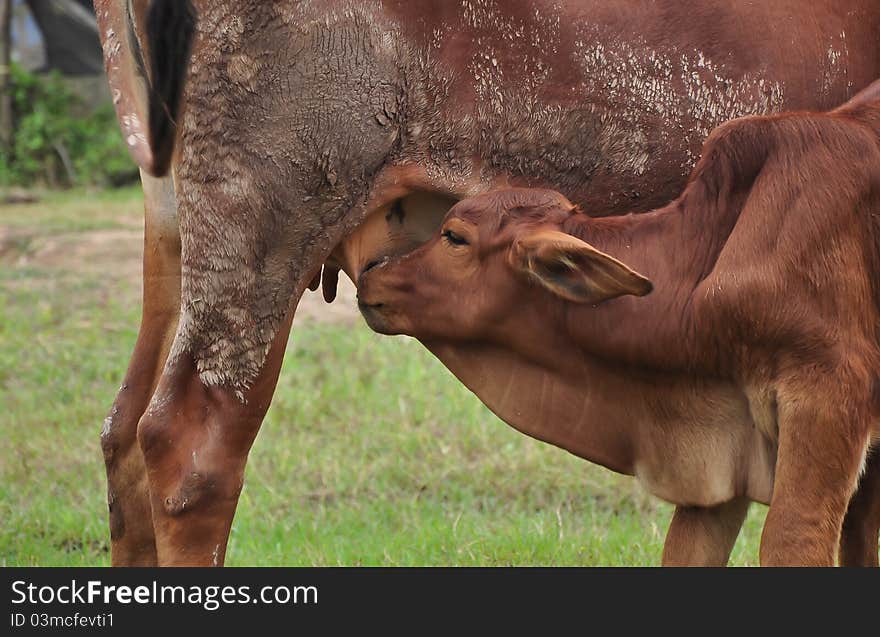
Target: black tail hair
(170, 29)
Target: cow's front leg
(195, 440)
(132, 542)
(861, 526)
(822, 441)
(704, 536)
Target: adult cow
(300, 118)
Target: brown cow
(292, 121)
(751, 372)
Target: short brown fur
(750, 372)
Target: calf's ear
(573, 269)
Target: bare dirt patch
(115, 255)
(313, 309)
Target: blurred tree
(60, 124)
(5, 91)
(70, 36)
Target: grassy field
(372, 453)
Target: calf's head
(499, 261)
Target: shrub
(59, 141)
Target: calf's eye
(454, 239)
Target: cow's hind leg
(132, 541)
(196, 441)
(823, 435)
(704, 536)
(861, 526)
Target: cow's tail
(146, 46)
(170, 29)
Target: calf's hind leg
(132, 542)
(704, 536)
(861, 526)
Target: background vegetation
(60, 141)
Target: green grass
(372, 452)
(76, 211)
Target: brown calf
(723, 349)
(283, 125)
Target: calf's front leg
(823, 435)
(704, 536)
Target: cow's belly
(707, 450)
